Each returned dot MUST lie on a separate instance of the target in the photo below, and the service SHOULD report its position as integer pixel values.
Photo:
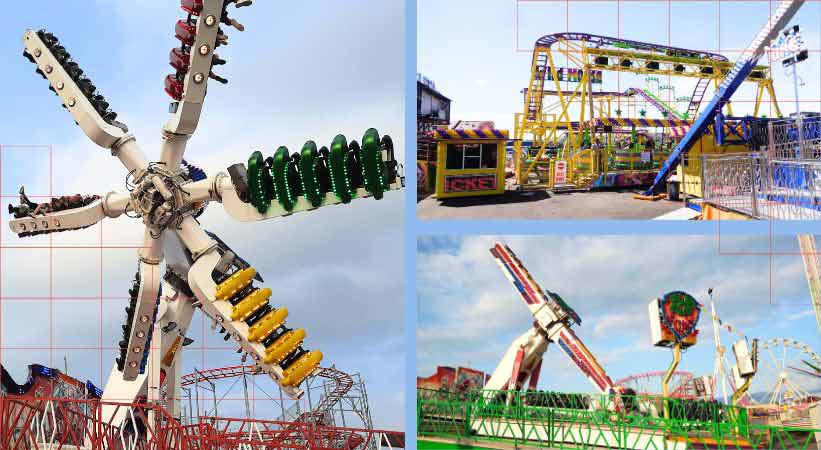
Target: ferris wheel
(788, 374)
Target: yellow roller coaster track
(543, 120)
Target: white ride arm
(526, 351)
(41, 219)
(553, 316)
(79, 95)
(194, 60)
(247, 194)
(220, 188)
(142, 309)
(227, 295)
(173, 320)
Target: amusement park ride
(770, 382)
(201, 271)
(582, 132)
(553, 319)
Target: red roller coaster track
(343, 383)
(682, 387)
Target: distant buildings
(432, 108)
(432, 112)
(459, 379)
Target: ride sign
(470, 183)
(680, 313)
(560, 172)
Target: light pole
(791, 44)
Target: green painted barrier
(588, 421)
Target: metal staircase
(697, 97)
(741, 69)
(535, 92)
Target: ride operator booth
(470, 162)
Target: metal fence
(37, 423)
(787, 143)
(763, 187)
(588, 421)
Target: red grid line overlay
(48, 250)
(771, 254)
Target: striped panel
(518, 275)
(678, 132)
(485, 133)
(640, 122)
(581, 356)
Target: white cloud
(470, 312)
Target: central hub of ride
(159, 198)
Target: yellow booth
(470, 162)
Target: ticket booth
(470, 162)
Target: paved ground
(540, 205)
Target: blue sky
(301, 70)
(478, 51)
(469, 313)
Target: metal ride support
(665, 383)
(741, 70)
(339, 394)
(589, 53)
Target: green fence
(560, 420)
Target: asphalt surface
(541, 205)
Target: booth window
(471, 156)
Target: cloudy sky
(469, 313)
(301, 70)
(499, 36)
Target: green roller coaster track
(590, 421)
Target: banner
(574, 75)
